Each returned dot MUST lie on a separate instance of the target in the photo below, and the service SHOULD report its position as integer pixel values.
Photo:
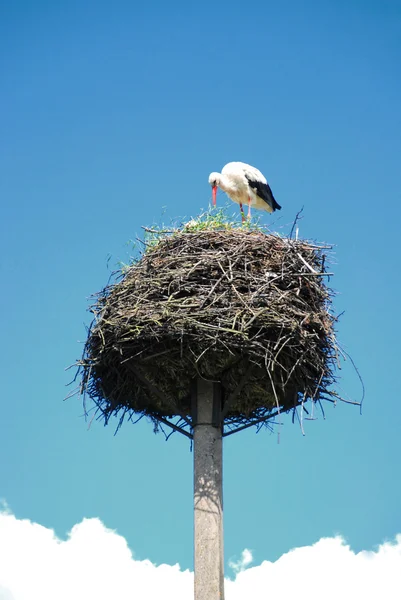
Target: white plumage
(244, 184)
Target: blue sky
(112, 117)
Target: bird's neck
(226, 184)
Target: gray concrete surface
(208, 499)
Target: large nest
(243, 308)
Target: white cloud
(328, 569)
(95, 562)
(244, 562)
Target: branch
(173, 426)
(262, 420)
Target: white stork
(243, 183)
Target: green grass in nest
(211, 219)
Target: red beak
(214, 191)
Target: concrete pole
(208, 493)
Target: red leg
(242, 212)
(249, 207)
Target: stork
(243, 183)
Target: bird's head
(214, 180)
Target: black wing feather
(263, 190)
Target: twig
(312, 270)
(158, 231)
(297, 218)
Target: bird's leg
(242, 212)
(249, 207)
